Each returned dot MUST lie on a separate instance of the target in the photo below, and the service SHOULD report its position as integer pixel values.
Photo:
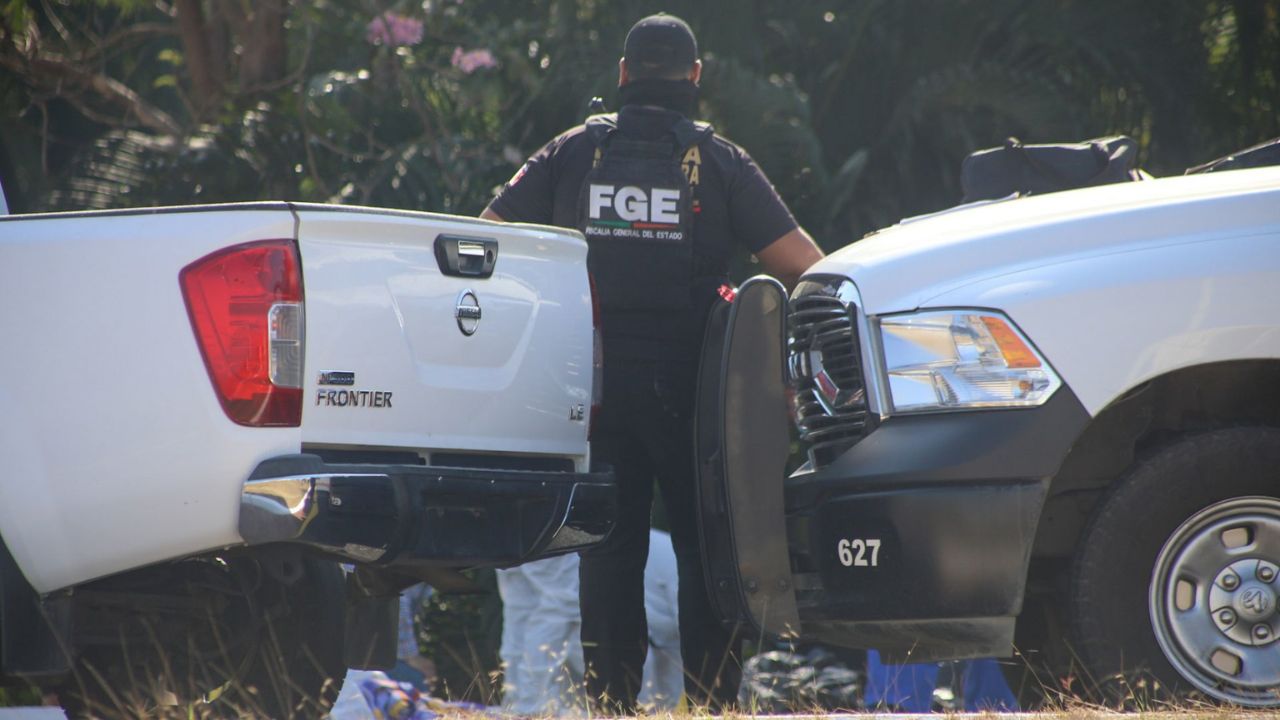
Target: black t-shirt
(734, 203)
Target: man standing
(663, 203)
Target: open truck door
(742, 433)
(875, 542)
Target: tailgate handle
(466, 256)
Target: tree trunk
(264, 59)
(207, 74)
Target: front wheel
(1175, 583)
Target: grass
(129, 690)
(152, 700)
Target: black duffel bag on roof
(1036, 169)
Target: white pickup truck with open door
(204, 409)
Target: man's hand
(789, 256)
(491, 215)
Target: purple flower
(470, 61)
(393, 30)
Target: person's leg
(410, 666)
(663, 667)
(611, 576)
(611, 579)
(552, 635)
(711, 652)
(518, 602)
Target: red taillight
(245, 304)
(597, 357)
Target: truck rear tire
(1174, 587)
(260, 644)
(298, 668)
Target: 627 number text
(858, 552)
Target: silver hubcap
(1213, 600)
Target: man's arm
(763, 225)
(529, 196)
(789, 256)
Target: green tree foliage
(859, 110)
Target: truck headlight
(961, 359)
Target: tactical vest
(636, 211)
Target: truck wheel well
(1242, 392)
(33, 630)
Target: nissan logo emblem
(467, 312)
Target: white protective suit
(541, 647)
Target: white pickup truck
(204, 409)
(1050, 422)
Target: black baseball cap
(658, 45)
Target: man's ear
(623, 76)
(696, 74)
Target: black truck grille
(825, 362)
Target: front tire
(1149, 608)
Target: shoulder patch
(691, 163)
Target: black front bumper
(950, 502)
(413, 515)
